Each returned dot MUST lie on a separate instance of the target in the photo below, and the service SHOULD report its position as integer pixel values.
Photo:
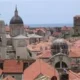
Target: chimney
(18, 59)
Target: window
(1, 65)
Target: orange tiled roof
(73, 76)
(42, 43)
(37, 46)
(76, 43)
(68, 42)
(33, 48)
(12, 66)
(41, 29)
(65, 28)
(39, 67)
(75, 49)
(1, 71)
(9, 78)
(75, 52)
(46, 54)
(56, 33)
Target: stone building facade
(13, 48)
(2, 40)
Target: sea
(50, 25)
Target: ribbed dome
(59, 44)
(59, 41)
(16, 20)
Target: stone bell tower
(77, 25)
(16, 24)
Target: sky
(41, 11)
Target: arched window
(57, 65)
(64, 65)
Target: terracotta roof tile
(73, 76)
(1, 71)
(41, 29)
(56, 33)
(38, 46)
(74, 52)
(75, 49)
(46, 54)
(65, 28)
(39, 67)
(13, 66)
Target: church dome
(16, 19)
(59, 41)
(59, 44)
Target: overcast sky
(40, 11)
